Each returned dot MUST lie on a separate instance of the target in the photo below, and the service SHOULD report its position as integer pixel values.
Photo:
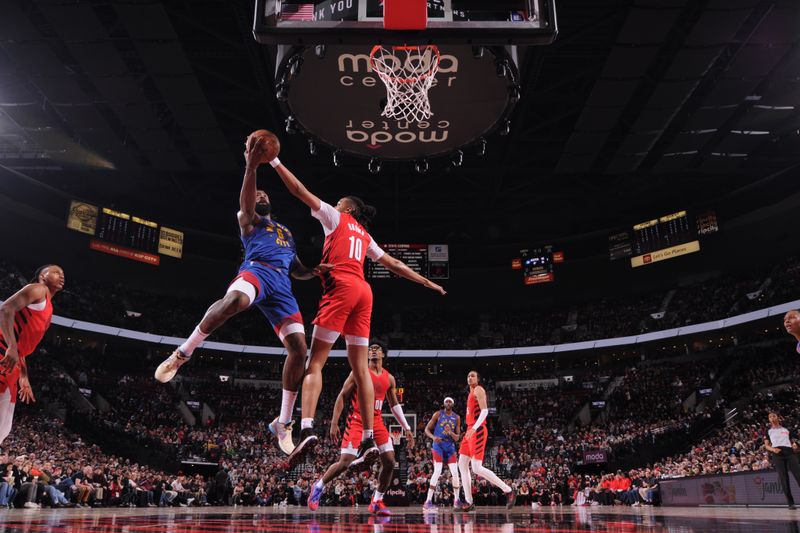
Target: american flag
(297, 12)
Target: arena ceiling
(640, 106)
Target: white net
(408, 73)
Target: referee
(782, 452)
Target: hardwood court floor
(403, 520)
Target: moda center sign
(338, 100)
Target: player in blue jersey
(444, 428)
(263, 281)
(791, 321)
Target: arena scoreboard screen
(537, 264)
(663, 238)
(429, 260)
(123, 234)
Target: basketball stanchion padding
(405, 14)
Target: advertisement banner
(594, 457)
(745, 488)
(666, 253)
(170, 242)
(82, 217)
(127, 253)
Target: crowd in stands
(414, 328)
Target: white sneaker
(167, 369)
(283, 432)
(30, 505)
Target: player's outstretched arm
(302, 272)
(35, 292)
(401, 269)
(247, 196)
(297, 188)
(429, 427)
(338, 407)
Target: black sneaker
(308, 440)
(511, 499)
(792, 506)
(368, 453)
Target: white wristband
(275, 162)
(397, 410)
(481, 419)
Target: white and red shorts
(351, 439)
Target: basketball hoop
(408, 73)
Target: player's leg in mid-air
(348, 313)
(270, 291)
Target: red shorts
(352, 435)
(475, 446)
(346, 309)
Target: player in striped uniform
(346, 304)
(473, 446)
(791, 321)
(263, 281)
(444, 428)
(384, 384)
(24, 319)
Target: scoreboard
(537, 265)
(663, 238)
(429, 260)
(126, 230)
(124, 235)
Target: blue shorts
(273, 293)
(444, 452)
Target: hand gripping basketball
(265, 146)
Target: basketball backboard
(474, 22)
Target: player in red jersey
(474, 445)
(346, 304)
(24, 318)
(384, 385)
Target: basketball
(270, 145)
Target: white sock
(319, 484)
(287, 406)
(195, 339)
(430, 495)
(377, 496)
(366, 434)
(306, 423)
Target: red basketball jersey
(29, 328)
(381, 385)
(473, 409)
(347, 245)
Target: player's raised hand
(335, 433)
(253, 152)
(435, 287)
(323, 268)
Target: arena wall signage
(743, 488)
(338, 100)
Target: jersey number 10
(356, 248)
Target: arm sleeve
(397, 410)
(328, 217)
(481, 419)
(374, 251)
